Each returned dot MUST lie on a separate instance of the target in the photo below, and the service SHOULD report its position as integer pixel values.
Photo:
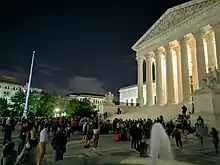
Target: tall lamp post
(28, 86)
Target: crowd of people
(139, 130)
(36, 133)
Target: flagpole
(28, 86)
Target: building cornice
(167, 29)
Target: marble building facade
(128, 95)
(183, 43)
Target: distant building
(9, 86)
(129, 95)
(95, 99)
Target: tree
(17, 103)
(4, 107)
(61, 103)
(34, 101)
(80, 108)
(46, 104)
(73, 104)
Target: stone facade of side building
(9, 86)
(128, 95)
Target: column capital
(192, 44)
(183, 40)
(149, 56)
(157, 51)
(168, 46)
(140, 58)
(209, 36)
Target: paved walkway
(115, 152)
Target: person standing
(134, 138)
(215, 139)
(95, 133)
(177, 135)
(42, 144)
(59, 144)
(9, 154)
(200, 132)
(28, 154)
(23, 135)
(7, 132)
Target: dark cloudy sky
(81, 46)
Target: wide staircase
(168, 111)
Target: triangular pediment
(173, 17)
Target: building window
(191, 85)
(126, 102)
(132, 104)
(5, 87)
(137, 104)
(14, 88)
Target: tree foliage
(4, 107)
(17, 103)
(80, 108)
(44, 104)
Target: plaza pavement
(109, 151)
(112, 152)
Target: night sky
(81, 46)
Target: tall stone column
(149, 88)
(194, 64)
(179, 74)
(140, 60)
(216, 29)
(209, 38)
(158, 78)
(200, 57)
(185, 70)
(169, 71)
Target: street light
(57, 110)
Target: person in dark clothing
(9, 154)
(215, 139)
(177, 135)
(184, 110)
(139, 134)
(59, 144)
(170, 126)
(23, 135)
(7, 132)
(133, 134)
